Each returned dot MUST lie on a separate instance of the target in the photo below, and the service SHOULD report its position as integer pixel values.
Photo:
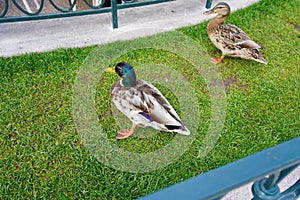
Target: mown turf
(43, 157)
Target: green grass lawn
(42, 155)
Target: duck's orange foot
(123, 134)
(217, 60)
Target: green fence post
(208, 4)
(114, 12)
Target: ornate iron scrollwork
(267, 188)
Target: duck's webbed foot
(217, 60)
(122, 134)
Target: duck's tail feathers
(260, 59)
(178, 129)
(257, 56)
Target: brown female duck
(230, 39)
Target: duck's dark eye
(119, 69)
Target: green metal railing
(208, 4)
(266, 168)
(114, 5)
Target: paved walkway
(46, 35)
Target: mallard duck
(230, 39)
(142, 103)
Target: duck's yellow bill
(110, 70)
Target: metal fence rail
(267, 168)
(35, 9)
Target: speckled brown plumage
(230, 39)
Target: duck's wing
(232, 34)
(154, 105)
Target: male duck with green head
(142, 103)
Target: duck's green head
(126, 72)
